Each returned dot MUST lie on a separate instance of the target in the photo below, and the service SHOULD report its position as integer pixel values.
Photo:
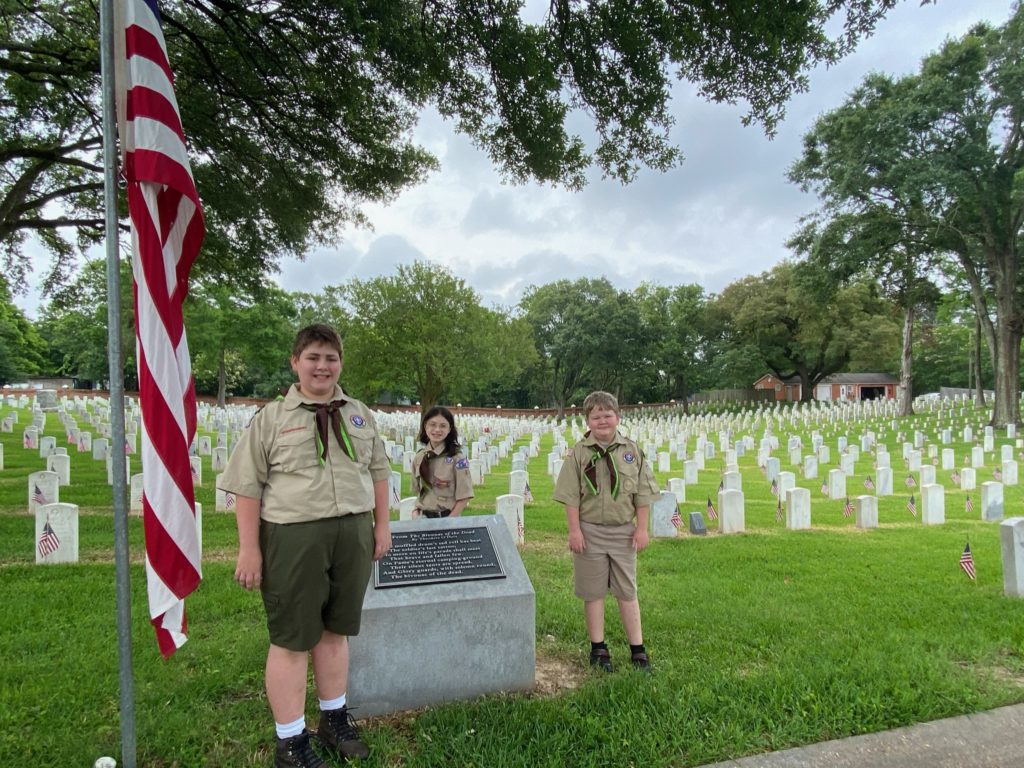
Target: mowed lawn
(760, 641)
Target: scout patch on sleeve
(462, 464)
(358, 420)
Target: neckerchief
(590, 471)
(425, 467)
(330, 413)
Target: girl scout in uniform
(440, 471)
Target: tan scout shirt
(455, 484)
(276, 460)
(637, 486)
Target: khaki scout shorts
(607, 564)
(314, 577)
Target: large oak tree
(298, 112)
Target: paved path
(992, 739)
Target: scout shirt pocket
(628, 465)
(362, 443)
(295, 450)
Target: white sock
(287, 730)
(327, 705)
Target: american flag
(775, 487)
(955, 477)
(912, 506)
(676, 520)
(824, 487)
(778, 512)
(519, 526)
(229, 500)
(721, 484)
(847, 507)
(967, 562)
(869, 483)
(712, 512)
(48, 541)
(37, 495)
(167, 232)
(997, 473)
(969, 505)
(911, 482)
(26, 440)
(527, 493)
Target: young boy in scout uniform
(607, 487)
(311, 483)
(440, 470)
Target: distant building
(838, 386)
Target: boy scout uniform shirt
(453, 469)
(277, 460)
(637, 486)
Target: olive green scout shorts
(314, 577)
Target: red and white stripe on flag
(167, 232)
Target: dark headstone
(697, 526)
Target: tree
(585, 333)
(674, 322)
(299, 112)
(951, 140)
(422, 332)
(802, 323)
(239, 340)
(877, 241)
(75, 324)
(22, 350)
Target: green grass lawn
(760, 641)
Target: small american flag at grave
(48, 541)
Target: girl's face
(437, 428)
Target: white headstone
(60, 464)
(664, 462)
(510, 508)
(56, 533)
(690, 472)
(866, 511)
(933, 504)
(1009, 471)
(406, 507)
(43, 488)
(836, 484)
(731, 515)
(135, 493)
(1011, 545)
(991, 501)
(798, 509)
(219, 459)
(677, 486)
(967, 479)
(810, 467)
(665, 517)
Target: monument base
(431, 643)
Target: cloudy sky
(724, 213)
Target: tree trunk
(222, 382)
(1007, 384)
(979, 385)
(906, 360)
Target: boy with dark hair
(310, 478)
(607, 488)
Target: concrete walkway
(993, 739)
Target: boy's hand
(249, 569)
(641, 539)
(576, 542)
(381, 541)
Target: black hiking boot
(600, 658)
(297, 752)
(338, 733)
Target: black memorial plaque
(438, 556)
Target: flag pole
(116, 372)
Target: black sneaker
(640, 661)
(297, 752)
(600, 657)
(338, 733)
